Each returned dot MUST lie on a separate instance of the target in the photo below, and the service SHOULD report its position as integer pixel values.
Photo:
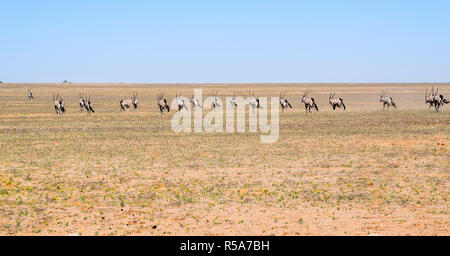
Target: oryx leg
(437, 106)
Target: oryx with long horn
(59, 104)
(162, 102)
(253, 102)
(233, 100)
(195, 102)
(216, 103)
(284, 102)
(435, 99)
(387, 101)
(309, 102)
(127, 103)
(82, 103)
(180, 102)
(88, 105)
(336, 102)
(430, 99)
(30, 94)
(135, 100)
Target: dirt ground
(363, 171)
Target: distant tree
(65, 82)
(1, 82)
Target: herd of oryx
(433, 98)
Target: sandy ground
(362, 171)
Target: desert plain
(362, 171)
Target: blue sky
(224, 41)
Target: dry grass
(359, 172)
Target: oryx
(216, 103)
(387, 101)
(126, 104)
(82, 103)
(336, 102)
(195, 102)
(30, 94)
(88, 105)
(59, 104)
(135, 100)
(435, 99)
(284, 102)
(430, 99)
(309, 102)
(233, 100)
(180, 102)
(253, 102)
(162, 103)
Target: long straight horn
(306, 92)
